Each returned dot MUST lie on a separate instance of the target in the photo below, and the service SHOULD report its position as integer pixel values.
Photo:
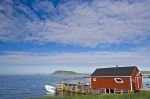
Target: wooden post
(114, 90)
(121, 91)
(82, 88)
(105, 91)
(98, 91)
(76, 90)
(128, 91)
(67, 86)
(70, 87)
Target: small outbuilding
(117, 78)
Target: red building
(121, 78)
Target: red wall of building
(109, 82)
(137, 80)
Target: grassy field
(139, 95)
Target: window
(138, 74)
(94, 79)
(118, 80)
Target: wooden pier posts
(85, 88)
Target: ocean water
(145, 82)
(24, 87)
(27, 87)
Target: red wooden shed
(121, 78)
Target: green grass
(139, 95)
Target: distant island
(64, 73)
(145, 72)
(67, 73)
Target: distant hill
(64, 73)
(145, 72)
(67, 73)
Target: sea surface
(24, 87)
(29, 86)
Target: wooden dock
(77, 88)
(84, 87)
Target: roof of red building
(114, 71)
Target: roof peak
(114, 71)
(119, 67)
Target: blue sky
(41, 36)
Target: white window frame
(121, 81)
(94, 79)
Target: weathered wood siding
(109, 82)
(133, 84)
(137, 80)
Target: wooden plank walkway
(84, 87)
(78, 88)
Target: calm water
(24, 87)
(18, 87)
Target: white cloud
(45, 6)
(85, 59)
(83, 23)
